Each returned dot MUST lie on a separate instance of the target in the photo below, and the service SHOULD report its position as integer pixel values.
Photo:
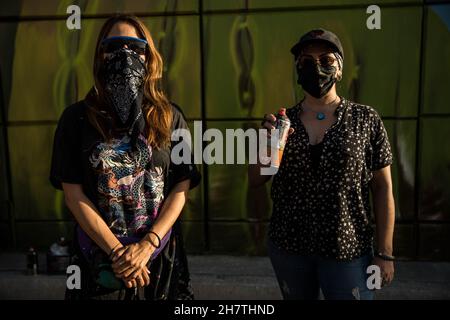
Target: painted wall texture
(228, 63)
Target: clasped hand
(129, 263)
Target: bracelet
(112, 250)
(385, 256)
(159, 240)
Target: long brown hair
(156, 107)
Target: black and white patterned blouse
(327, 211)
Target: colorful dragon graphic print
(130, 192)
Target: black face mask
(123, 75)
(316, 79)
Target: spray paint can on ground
(32, 261)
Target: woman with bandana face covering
(337, 152)
(111, 157)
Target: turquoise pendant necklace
(319, 115)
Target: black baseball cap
(318, 35)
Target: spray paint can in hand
(282, 124)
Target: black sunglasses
(324, 61)
(112, 44)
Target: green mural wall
(227, 62)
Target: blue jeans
(301, 277)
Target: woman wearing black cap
(320, 234)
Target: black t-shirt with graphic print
(126, 185)
(327, 211)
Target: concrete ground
(229, 277)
